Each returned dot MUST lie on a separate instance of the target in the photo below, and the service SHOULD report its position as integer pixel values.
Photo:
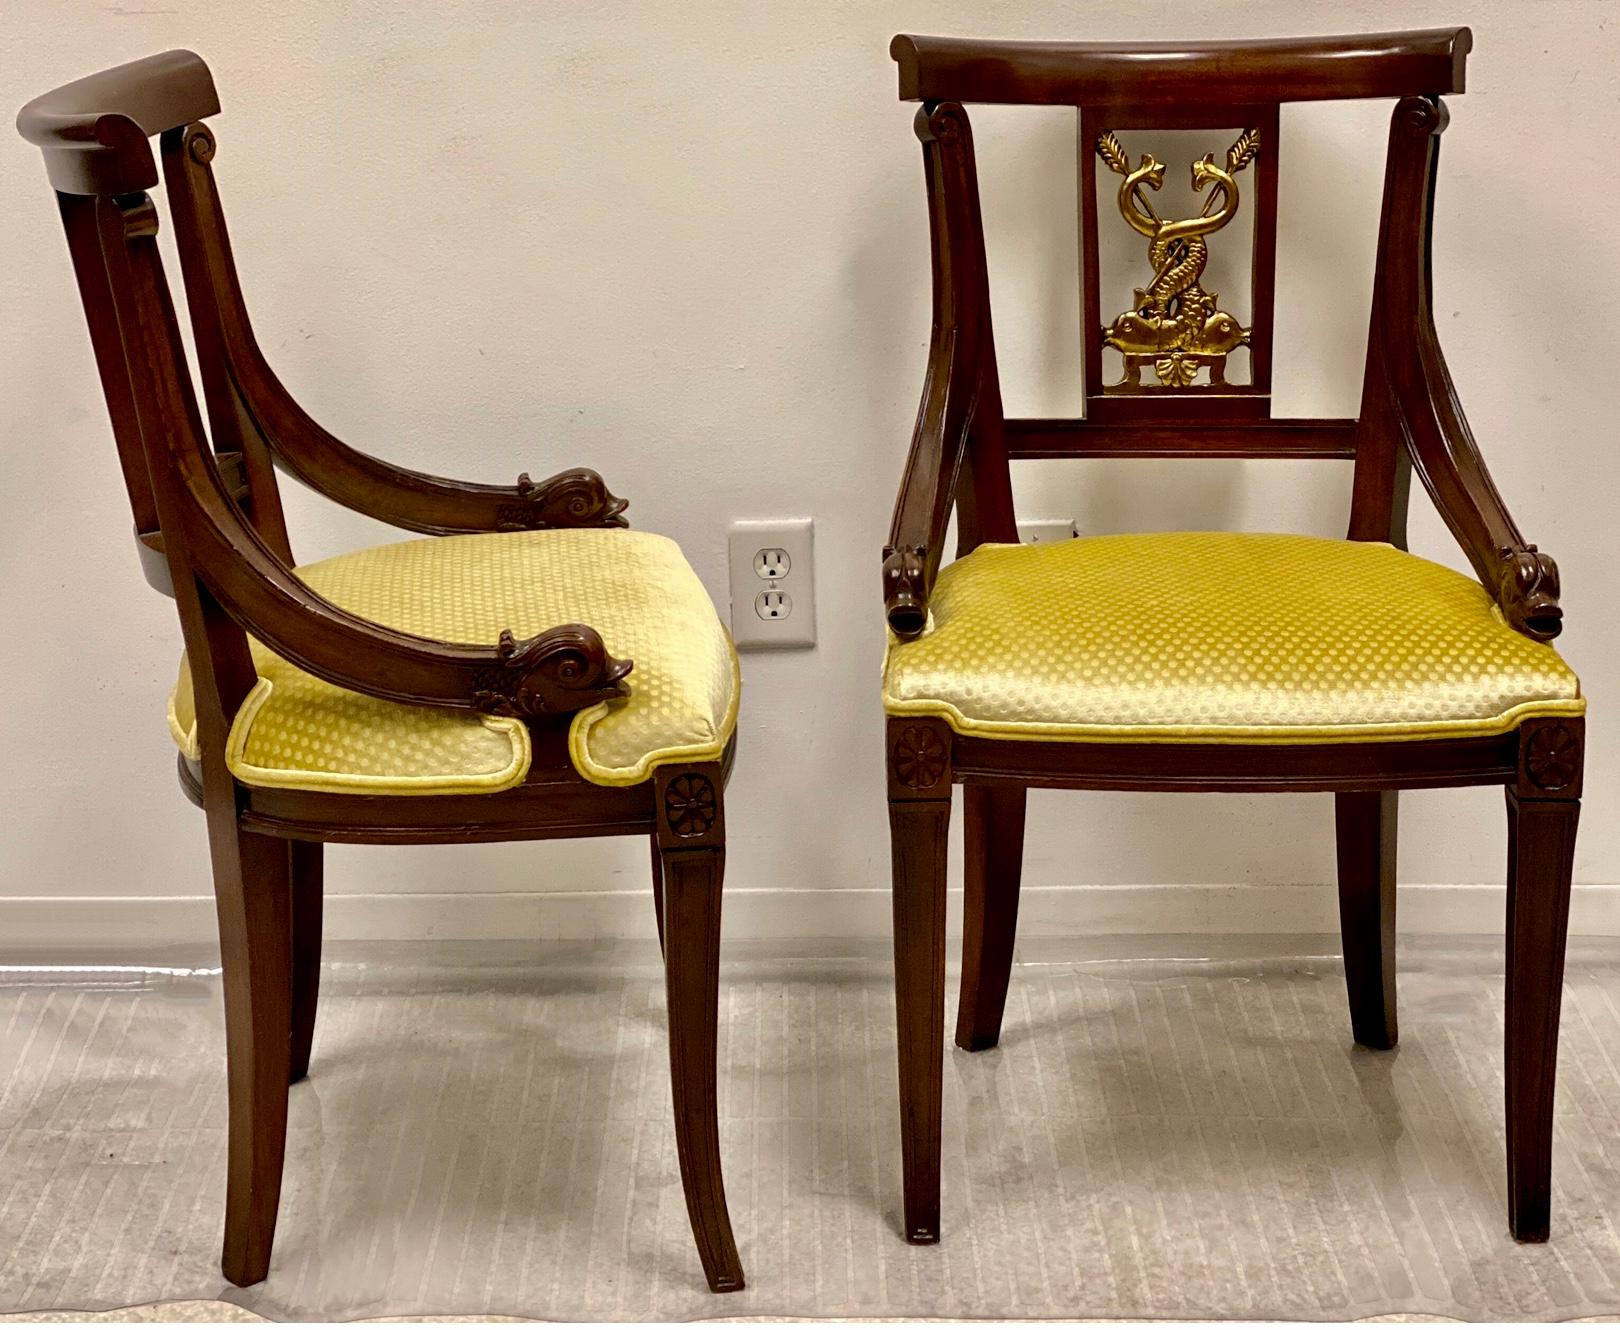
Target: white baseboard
(66, 927)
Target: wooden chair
(1210, 662)
(435, 691)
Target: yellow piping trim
(710, 751)
(489, 782)
(1236, 734)
(184, 739)
(512, 775)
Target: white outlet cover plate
(795, 536)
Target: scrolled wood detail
(946, 123)
(200, 143)
(1405, 352)
(561, 670)
(1527, 591)
(690, 805)
(1423, 115)
(578, 497)
(905, 589)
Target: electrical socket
(1044, 530)
(773, 604)
(773, 563)
(773, 584)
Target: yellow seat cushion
(298, 732)
(1219, 637)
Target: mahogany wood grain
(1543, 806)
(658, 889)
(692, 856)
(1032, 438)
(1409, 419)
(1091, 313)
(1541, 854)
(95, 131)
(255, 944)
(918, 831)
(211, 533)
(1366, 825)
(1181, 74)
(81, 220)
(1406, 347)
(1263, 256)
(691, 935)
(993, 865)
(1410, 412)
(919, 782)
(308, 892)
(1196, 768)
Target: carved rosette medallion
(690, 806)
(1174, 324)
(919, 758)
(1553, 757)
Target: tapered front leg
(993, 850)
(919, 825)
(306, 867)
(1543, 809)
(691, 852)
(252, 892)
(658, 889)
(1366, 831)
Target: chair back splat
(1165, 660)
(95, 133)
(1182, 372)
(95, 137)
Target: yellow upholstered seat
(1219, 637)
(298, 732)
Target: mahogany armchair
(1210, 661)
(474, 687)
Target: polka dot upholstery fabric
(298, 732)
(1219, 637)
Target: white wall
(686, 245)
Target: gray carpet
(1154, 1138)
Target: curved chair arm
(564, 669)
(1522, 580)
(957, 367)
(923, 508)
(238, 378)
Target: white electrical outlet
(773, 584)
(1044, 530)
(773, 604)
